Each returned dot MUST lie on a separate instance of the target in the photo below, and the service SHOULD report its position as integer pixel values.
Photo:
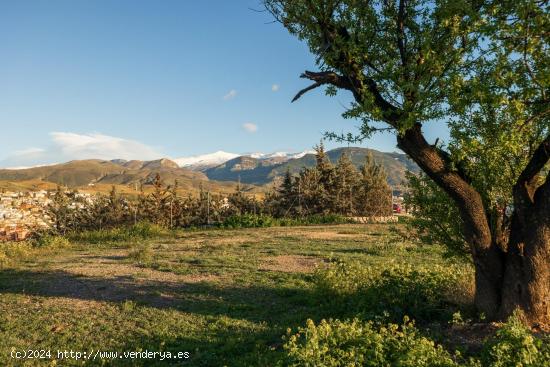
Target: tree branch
(436, 165)
(321, 78)
(305, 90)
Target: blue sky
(154, 78)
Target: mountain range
(95, 173)
(259, 171)
(216, 171)
(211, 160)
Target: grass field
(225, 296)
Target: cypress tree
(374, 194)
(346, 181)
(326, 179)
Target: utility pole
(208, 208)
(300, 195)
(171, 215)
(351, 200)
(391, 200)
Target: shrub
(395, 291)
(357, 343)
(248, 221)
(52, 241)
(314, 219)
(142, 230)
(142, 254)
(365, 343)
(13, 251)
(257, 221)
(514, 345)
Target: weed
(143, 254)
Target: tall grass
(139, 231)
(259, 221)
(13, 252)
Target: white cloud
(250, 127)
(275, 87)
(82, 146)
(66, 146)
(230, 95)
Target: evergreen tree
(311, 192)
(156, 203)
(115, 208)
(326, 178)
(287, 196)
(346, 180)
(59, 211)
(240, 203)
(374, 197)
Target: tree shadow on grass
(276, 307)
(249, 302)
(225, 340)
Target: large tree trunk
(489, 265)
(526, 283)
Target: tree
(156, 203)
(476, 66)
(286, 196)
(374, 196)
(326, 180)
(240, 204)
(346, 179)
(312, 195)
(59, 211)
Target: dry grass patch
(291, 263)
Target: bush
(143, 230)
(248, 221)
(13, 251)
(51, 241)
(365, 343)
(357, 343)
(514, 345)
(143, 254)
(395, 291)
(314, 219)
(258, 221)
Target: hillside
(261, 171)
(90, 174)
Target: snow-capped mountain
(204, 161)
(284, 155)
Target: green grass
(225, 296)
